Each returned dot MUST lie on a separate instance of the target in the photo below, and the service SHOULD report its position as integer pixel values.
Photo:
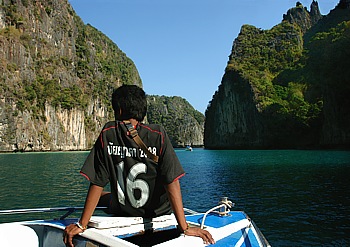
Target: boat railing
(190, 211)
(68, 210)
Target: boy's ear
(118, 114)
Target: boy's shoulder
(152, 127)
(142, 126)
(110, 124)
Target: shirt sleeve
(95, 167)
(170, 165)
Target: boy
(142, 183)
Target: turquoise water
(297, 198)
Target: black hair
(129, 101)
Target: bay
(296, 197)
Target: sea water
(296, 197)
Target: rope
(223, 203)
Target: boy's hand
(69, 233)
(198, 232)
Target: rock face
(285, 87)
(57, 76)
(235, 122)
(184, 124)
(302, 17)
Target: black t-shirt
(137, 182)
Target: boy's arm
(174, 193)
(91, 201)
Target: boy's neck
(133, 121)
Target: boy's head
(129, 101)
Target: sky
(181, 47)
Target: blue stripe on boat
(232, 239)
(216, 221)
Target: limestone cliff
(232, 118)
(57, 75)
(285, 87)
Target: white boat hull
(234, 229)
